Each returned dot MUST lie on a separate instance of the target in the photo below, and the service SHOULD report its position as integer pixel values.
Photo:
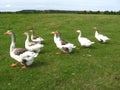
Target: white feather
(25, 55)
(57, 41)
(83, 40)
(35, 47)
(101, 37)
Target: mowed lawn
(94, 68)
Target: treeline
(62, 11)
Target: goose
(64, 46)
(56, 37)
(32, 46)
(21, 55)
(85, 42)
(35, 38)
(100, 37)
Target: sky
(79, 5)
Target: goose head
(26, 33)
(9, 32)
(78, 31)
(95, 28)
(56, 33)
(31, 30)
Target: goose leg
(24, 62)
(67, 51)
(24, 67)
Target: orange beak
(52, 32)
(6, 33)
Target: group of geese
(85, 42)
(26, 55)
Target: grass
(94, 68)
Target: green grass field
(94, 68)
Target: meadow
(94, 68)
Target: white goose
(64, 46)
(56, 38)
(85, 42)
(100, 37)
(32, 46)
(35, 38)
(21, 55)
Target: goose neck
(13, 41)
(27, 38)
(80, 34)
(96, 32)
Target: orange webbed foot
(24, 67)
(14, 65)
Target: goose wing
(32, 43)
(35, 37)
(18, 51)
(63, 42)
